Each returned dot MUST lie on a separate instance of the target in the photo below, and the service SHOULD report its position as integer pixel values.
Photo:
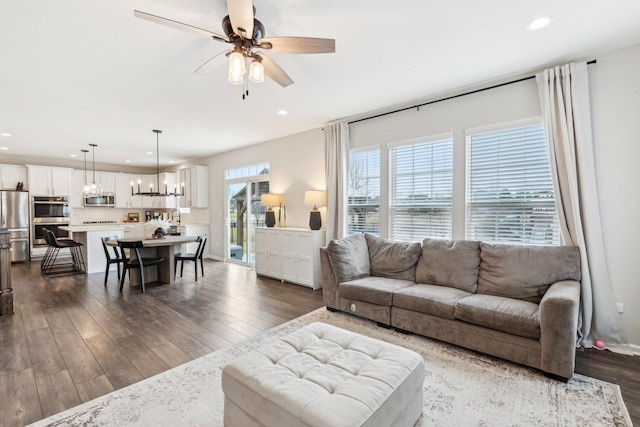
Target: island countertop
(90, 228)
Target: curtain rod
(452, 97)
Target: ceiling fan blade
(178, 25)
(209, 65)
(241, 16)
(298, 45)
(274, 72)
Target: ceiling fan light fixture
(236, 79)
(256, 71)
(236, 63)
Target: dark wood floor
(72, 339)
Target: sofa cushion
(430, 299)
(349, 257)
(525, 272)
(375, 290)
(453, 263)
(508, 315)
(395, 260)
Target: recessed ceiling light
(4, 148)
(282, 112)
(5, 134)
(172, 161)
(127, 161)
(149, 152)
(73, 155)
(539, 23)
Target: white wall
(615, 100)
(297, 165)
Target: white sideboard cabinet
(290, 254)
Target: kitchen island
(91, 238)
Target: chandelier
(151, 192)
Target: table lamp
(315, 198)
(270, 200)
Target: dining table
(165, 247)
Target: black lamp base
(315, 221)
(270, 218)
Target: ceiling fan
(246, 34)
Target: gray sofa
(515, 302)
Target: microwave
(103, 200)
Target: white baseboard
(635, 348)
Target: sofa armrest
(559, 310)
(329, 281)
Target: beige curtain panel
(564, 102)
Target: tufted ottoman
(322, 375)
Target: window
(510, 194)
(255, 170)
(421, 177)
(364, 192)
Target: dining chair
(115, 258)
(195, 257)
(140, 262)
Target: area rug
(461, 388)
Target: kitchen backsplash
(93, 214)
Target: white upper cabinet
(11, 175)
(49, 181)
(194, 182)
(107, 180)
(124, 188)
(77, 182)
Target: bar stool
(202, 241)
(139, 262)
(49, 265)
(117, 258)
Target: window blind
(364, 192)
(510, 195)
(421, 180)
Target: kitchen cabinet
(77, 182)
(124, 199)
(11, 175)
(194, 182)
(290, 254)
(49, 181)
(106, 179)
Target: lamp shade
(269, 200)
(315, 198)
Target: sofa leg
(331, 309)
(556, 377)
(383, 325)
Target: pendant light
(83, 190)
(93, 189)
(156, 193)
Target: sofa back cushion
(349, 257)
(452, 263)
(525, 272)
(395, 260)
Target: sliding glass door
(244, 215)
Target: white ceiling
(74, 72)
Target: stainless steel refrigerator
(14, 215)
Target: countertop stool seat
(321, 375)
(50, 264)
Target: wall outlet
(620, 307)
(353, 307)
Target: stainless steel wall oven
(50, 213)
